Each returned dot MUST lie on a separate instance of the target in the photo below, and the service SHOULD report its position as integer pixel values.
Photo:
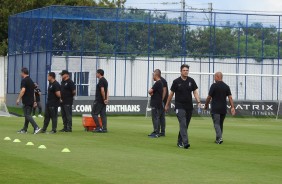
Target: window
(81, 80)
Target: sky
(254, 6)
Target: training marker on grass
(30, 144)
(16, 140)
(7, 139)
(42, 147)
(66, 150)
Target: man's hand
(206, 107)
(106, 102)
(233, 112)
(166, 108)
(199, 105)
(18, 102)
(34, 104)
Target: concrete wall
(3, 77)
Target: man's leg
(155, 120)
(188, 119)
(26, 122)
(104, 118)
(47, 117)
(39, 108)
(162, 122)
(54, 116)
(216, 122)
(182, 136)
(64, 118)
(68, 117)
(95, 112)
(222, 117)
(29, 117)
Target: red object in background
(88, 122)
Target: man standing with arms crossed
(218, 93)
(53, 102)
(100, 103)
(67, 94)
(156, 93)
(27, 97)
(183, 87)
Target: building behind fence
(130, 43)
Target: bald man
(156, 93)
(218, 93)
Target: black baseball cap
(64, 72)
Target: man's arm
(73, 92)
(207, 102)
(20, 96)
(169, 100)
(164, 92)
(196, 95)
(103, 93)
(58, 94)
(151, 91)
(233, 112)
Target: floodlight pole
(182, 2)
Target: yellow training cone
(7, 139)
(42, 147)
(30, 144)
(66, 150)
(16, 140)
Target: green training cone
(42, 147)
(30, 144)
(7, 139)
(66, 150)
(16, 140)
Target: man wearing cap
(183, 87)
(67, 93)
(101, 100)
(53, 102)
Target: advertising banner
(139, 107)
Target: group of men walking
(183, 87)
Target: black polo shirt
(67, 88)
(52, 99)
(28, 97)
(183, 92)
(165, 86)
(37, 95)
(156, 98)
(102, 83)
(219, 91)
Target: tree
(11, 7)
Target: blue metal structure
(36, 36)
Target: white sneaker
(34, 116)
(40, 116)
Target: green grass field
(251, 153)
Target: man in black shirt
(37, 93)
(183, 87)
(67, 94)
(156, 93)
(27, 97)
(100, 103)
(53, 102)
(165, 96)
(218, 93)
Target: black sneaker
(43, 131)
(98, 130)
(219, 141)
(162, 134)
(105, 131)
(154, 135)
(22, 131)
(68, 130)
(37, 130)
(180, 144)
(63, 130)
(52, 132)
(186, 146)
